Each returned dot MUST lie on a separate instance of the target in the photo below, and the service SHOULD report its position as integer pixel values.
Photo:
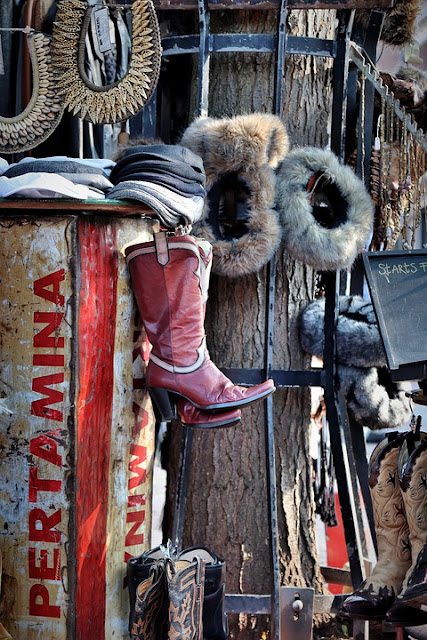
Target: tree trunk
(227, 500)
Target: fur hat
(325, 210)
(239, 155)
(374, 399)
(400, 22)
(357, 336)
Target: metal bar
(271, 455)
(291, 378)
(357, 56)
(280, 58)
(248, 5)
(181, 494)
(359, 450)
(338, 446)
(204, 58)
(249, 42)
(340, 88)
(261, 604)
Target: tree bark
(227, 503)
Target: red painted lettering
(141, 456)
(47, 449)
(52, 280)
(135, 501)
(46, 533)
(132, 537)
(37, 484)
(43, 608)
(45, 338)
(48, 360)
(39, 407)
(43, 571)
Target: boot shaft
(391, 528)
(413, 482)
(170, 280)
(185, 582)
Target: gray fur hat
(358, 340)
(374, 399)
(239, 155)
(325, 210)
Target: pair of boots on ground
(177, 595)
(170, 280)
(396, 591)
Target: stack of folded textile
(169, 179)
(57, 177)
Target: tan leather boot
(410, 606)
(376, 594)
(185, 582)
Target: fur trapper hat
(239, 155)
(374, 399)
(325, 210)
(400, 22)
(358, 339)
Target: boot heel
(163, 404)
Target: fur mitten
(357, 336)
(374, 399)
(325, 210)
(239, 155)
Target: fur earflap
(374, 399)
(358, 340)
(239, 156)
(325, 210)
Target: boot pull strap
(161, 243)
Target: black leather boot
(215, 624)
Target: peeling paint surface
(77, 432)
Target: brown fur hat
(239, 156)
(399, 23)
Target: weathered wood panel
(77, 445)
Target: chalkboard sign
(397, 282)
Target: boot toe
(367, 604)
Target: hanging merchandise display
(396, 590)
(122, 99)
(358, 339)
(139, 570)
(170, 279)
(239, 155)
(44, 111)
(324, 209)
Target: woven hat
(325, 210)
(239, 155)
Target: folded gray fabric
(76, 172)
(174, 159)
(173, 209)
(179, 185)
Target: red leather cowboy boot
(170, 281)
(190, 416)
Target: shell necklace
(117, 101)
(44, 111)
